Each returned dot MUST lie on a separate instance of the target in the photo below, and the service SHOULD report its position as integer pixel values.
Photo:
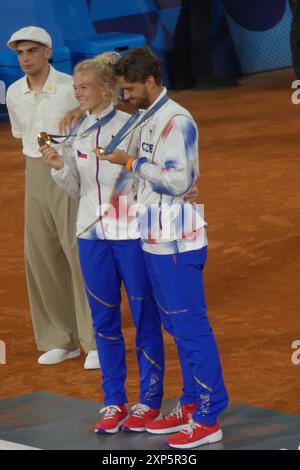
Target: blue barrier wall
(248, 35)
(259, 30)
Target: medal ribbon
(132, 123)
(99, 123)
(124, 131)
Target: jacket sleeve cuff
(137, 164)
(60, 173)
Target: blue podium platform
(56, 422)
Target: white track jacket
(167, 166)
(106, 190)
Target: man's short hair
(139, 64)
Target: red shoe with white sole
(174, 422)
(140, 417)
(195, 435)
(112, 421)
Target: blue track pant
(104, 264)
(177, 282)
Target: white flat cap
(30, 33)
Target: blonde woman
(109, 254)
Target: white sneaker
(92, 360)
(55, 356)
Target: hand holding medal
(118, 157)
(44, 139)
(50, 155)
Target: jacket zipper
(97, 180)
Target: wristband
(129, 162)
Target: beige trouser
(60, 312)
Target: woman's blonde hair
(103, 70)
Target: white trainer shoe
(92, 360)
(55, 356)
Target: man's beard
(143, 102)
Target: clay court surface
(250, 185)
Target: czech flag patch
(81, 155)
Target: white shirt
(104, 188)
(31, 112)
(167, 166)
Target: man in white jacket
(174, 244)
(59, 309)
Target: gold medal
(100, 151)
(43, 139)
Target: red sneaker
(195, 434)
(174, 422)
(141, 415)
(113, 419)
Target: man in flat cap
(59, 309)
